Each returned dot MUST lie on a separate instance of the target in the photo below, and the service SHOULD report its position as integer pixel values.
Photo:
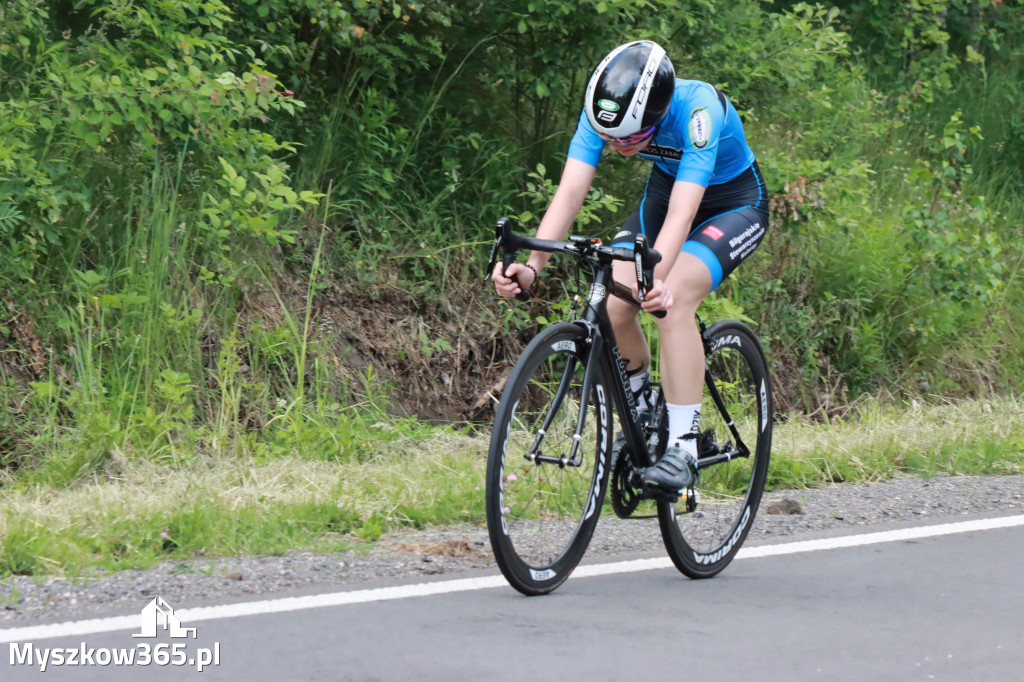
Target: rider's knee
(690, 285)
(620, 313)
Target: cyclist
(704, 208)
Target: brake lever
(494, 255)
(503, 228)
(644, 259)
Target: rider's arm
(682, 208)
(700, 133)
(577, 177)
(568, 199)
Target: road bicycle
(555, 447)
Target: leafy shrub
(85, 116)
(147, 185)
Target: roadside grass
(916, 439)
(217, 507)
(150, 513)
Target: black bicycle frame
(740, 449)
(600, 338)
(604, 349)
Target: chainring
(625, 497)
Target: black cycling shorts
(730, 223)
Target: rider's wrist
(535, 273)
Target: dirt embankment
(445, 360)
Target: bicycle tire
(541, 516)
(704, 537)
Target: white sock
(636, 382)
(683, 419)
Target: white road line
(190, 616)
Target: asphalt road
(949, 607)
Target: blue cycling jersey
(701, 139)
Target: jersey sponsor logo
(700, 128)
(747, 242)
(608, 105)
(662, 152)
(754, 229)
(713, 232)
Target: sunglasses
(630, 140)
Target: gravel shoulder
(420, 555)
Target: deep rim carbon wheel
(541, 515)
(704, 529)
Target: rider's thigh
(689, 281)
(620, 312)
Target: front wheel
(544, 493)
(703, 531)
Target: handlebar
(510, 243)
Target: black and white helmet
(631, 89)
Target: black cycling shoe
(676, 471)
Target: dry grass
(416, 473)
(917, 426)
(148, 513)
(965, 437)
(240, 506)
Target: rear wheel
(704, 529)
(543, 495)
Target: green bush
(159, 163)
(86, 114)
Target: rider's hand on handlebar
(658, 297)
(515, 279)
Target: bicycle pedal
(706, 444)
(659, 494)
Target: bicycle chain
(624, 477)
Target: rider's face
(633, 149)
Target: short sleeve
(586, 145)
(703, 126)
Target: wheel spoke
(703, 541)
(540, 515)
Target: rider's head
(630, 92)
